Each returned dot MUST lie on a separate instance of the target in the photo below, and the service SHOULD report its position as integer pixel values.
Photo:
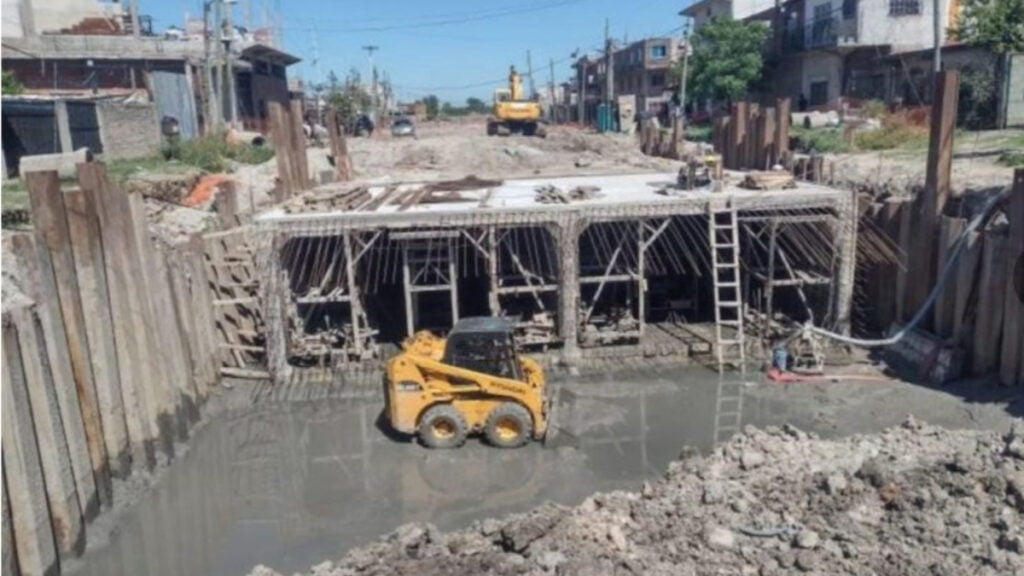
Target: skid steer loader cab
(474, 381)
(484, 345)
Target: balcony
(820, 34)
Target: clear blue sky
(452, 48)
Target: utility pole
(529, 74)
(133, 11)
(581, 110)
(937, 23)
(370, 49)
(317, 77)
(229, 65)
(551, 89)
(218, 47)
(609, 70)
(682, 79)
(212, 109)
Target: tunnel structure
(629, 271)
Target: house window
(904, 7)
(658, 52)
(658, 79)
(821, 27)
(849, 8)
(819, 92)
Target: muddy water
(289, 485)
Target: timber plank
(51, 229)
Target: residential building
(822, 50)
(89, 49)
(704, 11)
(643, 68)
(640, 69)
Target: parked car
(402, 127)
(362, 126)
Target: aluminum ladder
(728, 407)
(723, 232)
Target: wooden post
(339, 149)
(177, 378)
(301, 161)
(940, 141)
(227, 205)
(1011, 369)
(23, 473)
(988, 329)
(945, 306)
(281, 136)
(23, 346)
(83, 223)
(932, 201)
(53, 235)
(782, 115)
(738, 135)
(130, 331)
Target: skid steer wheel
(508, 426)
(442, 426)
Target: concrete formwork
(580, 276)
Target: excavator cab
(475, 381)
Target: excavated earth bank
(915, 499)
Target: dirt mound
(915, 499)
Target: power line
(450, 21)
(470, 13)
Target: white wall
(53, 15)
(911, 32)
(708, 10)
(12, 26)
(818, 66)
(745, 8)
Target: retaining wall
(102, 365)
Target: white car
(402, 127)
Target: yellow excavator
(513, 112)
(472, 382)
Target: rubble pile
(915, 499)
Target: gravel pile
(915, 499)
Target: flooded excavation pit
(289, 485)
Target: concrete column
(60, 110)
(275, 305)
(845, 234)
(568, 235)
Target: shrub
(819, 140)
(977, 107)
(874, 109)
(698, 132)
(1011, 158)
(211, 152)
(898, 129)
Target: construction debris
(550, 194)
(773, 180)
(777, 501)
(329, 199)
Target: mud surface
(913, 500)
(291, 484)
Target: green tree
(476, 106)
(349, 99)
(726, 59)
(11, 85)
(433, 106)
(994, 24)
